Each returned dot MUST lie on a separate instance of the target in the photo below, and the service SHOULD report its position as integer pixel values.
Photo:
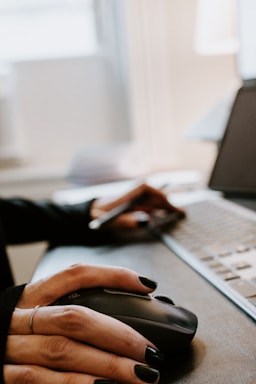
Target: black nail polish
(104, 381)
(147, 282)
(153, 357)
(145, 373)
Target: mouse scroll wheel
(164, 299)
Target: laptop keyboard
(218, 239)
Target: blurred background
(99, 90)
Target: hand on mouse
(61, 344)
(148, 200)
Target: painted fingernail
(147, 282)
(146, 374)
(153, 357)
(142, 218)
(103, 381)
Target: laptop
(218, 236)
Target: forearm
(25, 221)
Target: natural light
(45, 29)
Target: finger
(131, 220)
(156, 198)
(78, 276)
(105, 204)
(87, 326)
(14, 374)
(139, 219)
(62, 354)
(148, 197)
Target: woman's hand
(73, 343)
(148, 200)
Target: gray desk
(224, 348)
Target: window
(51, 98)
(44, 29)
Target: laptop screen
(234, 171)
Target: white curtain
(150, 80)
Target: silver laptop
(218, 236)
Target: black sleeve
(26, 221)
(8, 301)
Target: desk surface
(224, 348)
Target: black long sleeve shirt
(24, 221)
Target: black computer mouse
(168, 326)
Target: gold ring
(32, 316)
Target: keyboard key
(218, 250)
(224, 252)
(245, 288)
(222, 270)
(204, 256)
(241, 248)
(242, 265)
(215, 265)
(230, 276)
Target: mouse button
(175, 316)
(113, 302)
(184, 319)
(125, 293)
(166, 338)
